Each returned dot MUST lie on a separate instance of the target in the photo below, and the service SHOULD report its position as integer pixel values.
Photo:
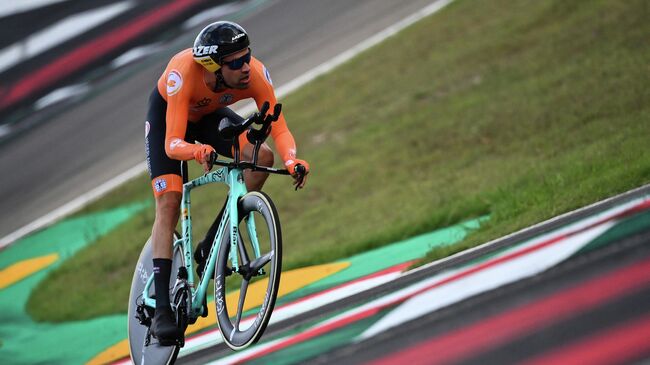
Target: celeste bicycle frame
(233, 177)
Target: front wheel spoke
(242, 250)
(259, 262)
(242, 298)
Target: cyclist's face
(237, 79)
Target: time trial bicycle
(247, 248)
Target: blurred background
(479, 118)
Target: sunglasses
(238, 63)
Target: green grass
(521, 109)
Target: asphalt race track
(589, 307)
(87, 143)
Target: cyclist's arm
(178, 99)
(284, 141)
(263, 91)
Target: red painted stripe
(397, 268)
(310, 334)
(317, 331)
(471, 340)
(624, 343)
(92, 51)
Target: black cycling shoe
(164, 328)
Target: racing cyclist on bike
(190, 99)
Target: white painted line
(74, 205)
(293, 309)
(61, 94)
(212, 14)
(281, 92)
(135, 54)
(58, 33)
(445, 292)
(485, 280)
(10, 7)
(5, 129)
(567, 228)
(454, 285)
(361, 47)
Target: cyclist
(190, 99)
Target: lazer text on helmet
(205, 50)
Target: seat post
(235, 143)
(184, 172)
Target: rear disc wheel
(152, 353)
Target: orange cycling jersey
(188, 98)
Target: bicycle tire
(264, 212)
(152, 353)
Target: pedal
(142, 316)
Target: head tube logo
(174, 82)
(160, 185)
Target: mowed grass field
(520, 109)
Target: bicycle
(239, 232)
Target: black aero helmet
(217, 41)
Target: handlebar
(255, 136)
(246, 165)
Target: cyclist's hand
(299, 179)
(203, 155)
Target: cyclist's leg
(255, 179)
(207, 132)
(167, 184)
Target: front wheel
(244, 313)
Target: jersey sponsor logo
(174, 82)
(160, 185)
(203, 102)
(226, 98)
(204, 50)
(147, 128)
(268, 76)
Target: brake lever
(300, 170)
(276, 114)
(262, 113)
